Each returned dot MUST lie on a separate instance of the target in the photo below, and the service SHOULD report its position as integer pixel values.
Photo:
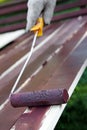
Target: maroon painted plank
(53, 66)
(70, 5)
(13, 27)
(70, 15)
(67, 72)
(13, 7)
(10, 3)
(17, 53)
(39, 58)
(10, 114)
(13, 19)
(35, 116)
(8, 56)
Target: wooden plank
(12, 22)
(10, 114)
(12, 19)
(13, 6)
(70, 5)
(13, 27)
(12, 57)
(39, 57)
(70, 15)
(68, 73)
(11, 2)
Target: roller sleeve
(39, 98)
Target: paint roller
(39, 98)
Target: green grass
(75, 113)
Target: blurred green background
(2, 1)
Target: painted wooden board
(48, 70)
(67, 76)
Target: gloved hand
(37, 8)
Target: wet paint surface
(60, 65)
(29, 120)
